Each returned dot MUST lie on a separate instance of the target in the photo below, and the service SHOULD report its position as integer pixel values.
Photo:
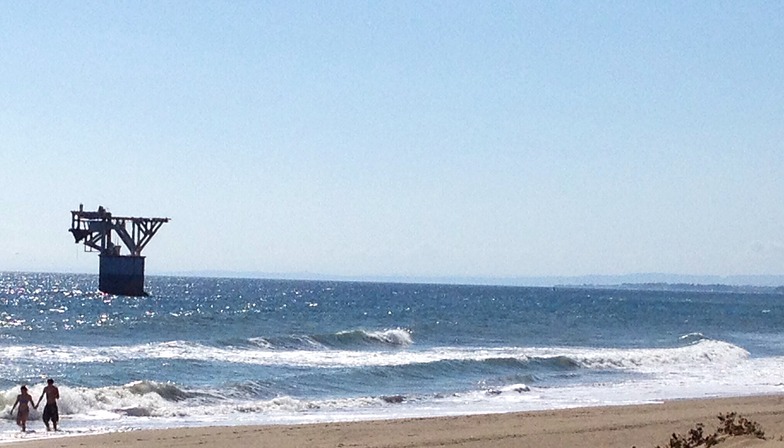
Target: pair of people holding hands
(25, 400)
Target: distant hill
(744, 289)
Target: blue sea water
(210, 351)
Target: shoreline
(626, 426)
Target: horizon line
(748, 280)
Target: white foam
(118, 408)
(705, 368)
(701, 353)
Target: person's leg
(21, 420)
(46, 417)
(55, 416)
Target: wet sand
(608, 427)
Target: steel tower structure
(119, 274)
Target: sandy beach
(609, 427)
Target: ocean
(220, 351)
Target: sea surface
(219, 351)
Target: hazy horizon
(767, 281)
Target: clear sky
(398, 138)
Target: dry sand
(643, 426)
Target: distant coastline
(685, 287)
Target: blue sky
(397, 138)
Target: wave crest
(701, 353)
(692, 338)
(167, 391)
(398, 337)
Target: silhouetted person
(24, 400)
(50, 410)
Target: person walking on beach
(50, 410)
(24, 400)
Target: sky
(398, 138)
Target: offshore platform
(119, 274)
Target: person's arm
(40, 398)
(15, 403)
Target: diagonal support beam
(94, 230)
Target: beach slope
(607, 427)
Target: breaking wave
(362, 338)
(705, 351)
